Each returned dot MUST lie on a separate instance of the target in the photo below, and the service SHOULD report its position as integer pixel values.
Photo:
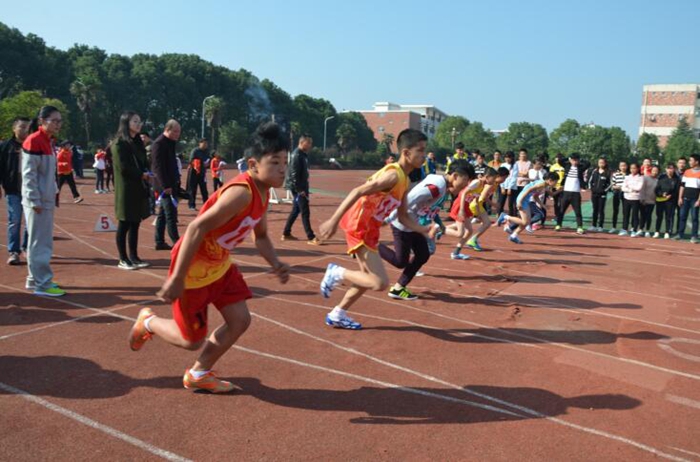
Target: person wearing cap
(573, 183)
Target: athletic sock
(397, 286)
(147, 323)
(337, 313)
(198, 374)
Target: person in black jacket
(599, 183)
(11, 181)
(572, 185)
(197, 172)
(166, 183)
(666, 198)
(297, 182)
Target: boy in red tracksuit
(64, 170)
(201, 271)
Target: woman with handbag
(131, 181)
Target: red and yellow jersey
(366, 216)
(471, 193)
(212, 259)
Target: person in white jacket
(631, 187)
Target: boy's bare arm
(267, 250)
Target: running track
(565, 348)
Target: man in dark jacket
(11, 181)
(297, 181)
(197, 172)
(166, 179)
(573, 183)
(599, 182)
(667, 189)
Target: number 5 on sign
(104, 224)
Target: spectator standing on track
(217, 172)
(11, 182)
(109, 169)
(524, 166)
(166, 183)
(430, 165)
(573, 183)
(556, 191)
(78, 161)
(618, 178)
(99, 166)
(131, 188)
(647, 200)
(510, 185)
(197, 172)
(681, 167)
(631, 188)
(599, 183)
(39, 199)
(64, 161)
(297, 182)
(646, 167)
(689, 198)
(479, 164)
(460, 153)
(666, 199)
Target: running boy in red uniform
(201, 271)
(363, 211)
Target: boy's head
(203, 144)
(551, 179)
(305, 142)
(510, 157)
(479, 156)
(575, 158)
(682, 163)
(539, 164)
(502, 174)
(497, 155)
(459, 175)
(670, 169)
(646, 162)
(459, 147)
(602, 163)
(559, 158)
(431, 155)
(490, 176)
(655, 170)
(412, 144)
(694, 160)
(267, 155)
(623, 166)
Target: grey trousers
(39, 248)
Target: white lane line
(686, 452)
(167, 455)
(388, 385)
(521, 335)
(666, 345)
(684, 401)
(492, 399)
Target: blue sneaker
(432, 247)
(515, 239)
(459, 256)
(343, 323)
(474, 244)
(501, 219)
(330, 281)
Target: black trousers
(665, 211)
(130, 228)
(630, 209)
(71, 183)
(406, 242)
(598, 200)
(167, 215)
(196, 181)
(618, 198)
(573, 199)
(300, 205)
(647, 212)
(99, 179)
(217, 183)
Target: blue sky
(496, 62)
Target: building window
(381, 129)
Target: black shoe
(163, 246)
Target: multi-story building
(664, 106)
(390, 118)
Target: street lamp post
(203, 108)
(454, 133)
(325, 125)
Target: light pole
(203, 107)
(325, 124)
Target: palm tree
(213, 111)
(85, 93)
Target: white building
(431, 116)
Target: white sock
(337, 313)
(147, 323)
(198, 374)
(513, 235)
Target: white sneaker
(600, 229)
(420, 274)
(656, 235)
(330, 280)
(647, 234)
(624, 233)
(612, 231)
(592, 229)
(97, 191)
(529, 230)
(667, 236)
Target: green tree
(85, 92)
(620, 145)
(232, 140)
(27, 104)
(648, 146)
(527, 135)
(213, 113)
(451, 129)
(562, 138)
(682, 142)
(592, 142)
(386, 145)
(363, 136)
(475, 136)
(347, 136)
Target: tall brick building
(663, 106)
(393, 118)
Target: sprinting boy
(363, 212)
(201, 271)
(421, 203)
(470, 203)
(532, 190)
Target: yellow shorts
(477, 208)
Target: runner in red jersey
(201, 271)
(361, 216)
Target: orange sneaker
(209, 382)
(139, 335)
